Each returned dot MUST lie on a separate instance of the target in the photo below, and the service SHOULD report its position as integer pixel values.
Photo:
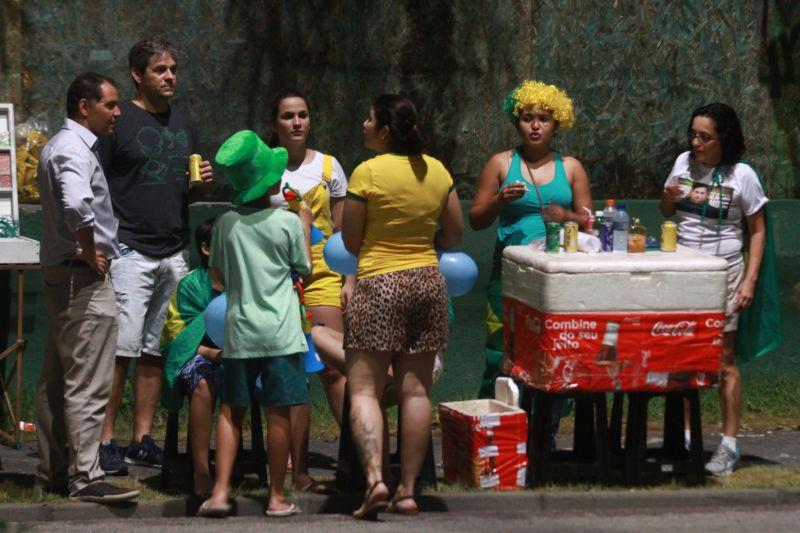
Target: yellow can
(570, 236)
(194, 167)
(669, 236)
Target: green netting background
(635, 70)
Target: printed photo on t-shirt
(696, 194)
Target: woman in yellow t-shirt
(319, 178)
(398, 313)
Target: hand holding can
(194, 168)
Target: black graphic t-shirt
(145, 162)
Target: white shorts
(735, 277)
(143, 286)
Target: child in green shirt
(253, 251)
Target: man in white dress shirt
(79, 241)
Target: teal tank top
(520, 222)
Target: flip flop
(289, 511)
(369, 510)
(393, 508)
(214, 510)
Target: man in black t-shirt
(146, 162)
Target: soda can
(553, 237)
(607, 235)
(669, 236)
(588, 225)
(570, 236)
(194, 167)
(27, 427)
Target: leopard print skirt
(403, 312)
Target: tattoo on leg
(366, 442)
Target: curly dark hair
(399, 114)
(729, 130)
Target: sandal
(369, 509)
(393, 508)
(289, 511)
(214, 510)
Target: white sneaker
(723, 461)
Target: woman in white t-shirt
(711, 192)
(320, 180)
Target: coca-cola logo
(684, 328)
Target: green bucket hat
(251, 166)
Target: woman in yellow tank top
(319, 178)
(400, 208)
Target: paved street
(763, 519)
(615, 509)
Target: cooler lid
(683, 260)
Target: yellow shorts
(325, 286)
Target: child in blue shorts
(254, 249)
(192, 363)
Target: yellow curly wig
(535, 93)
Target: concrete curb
(471, 502)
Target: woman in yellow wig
(525, 187)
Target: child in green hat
(253, 251)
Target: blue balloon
(215, 320)
(315, 235)
(311, 357)
(459, 271)
(338, 258)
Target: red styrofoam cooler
(613, 322)
(484, 444)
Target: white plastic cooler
(610, 321)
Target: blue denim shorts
(143, 287)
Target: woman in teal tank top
(522, 188)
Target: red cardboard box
(484, 444)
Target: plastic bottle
(622, 224)
(637, 238)
(610, 209)
(607, 226)
(598, 219)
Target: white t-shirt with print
(308, 175)
(740, 195)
